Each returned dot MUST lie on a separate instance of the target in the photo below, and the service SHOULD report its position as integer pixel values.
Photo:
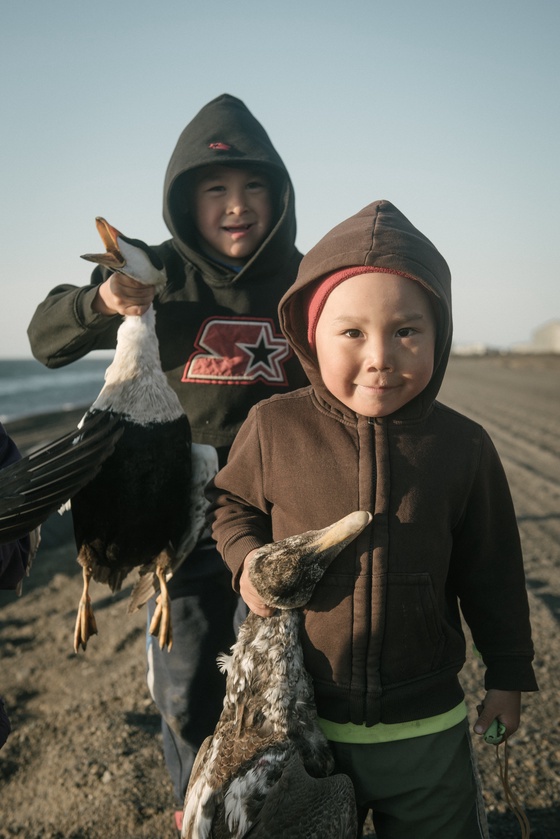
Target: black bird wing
(39, 484)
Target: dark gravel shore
(84, 760)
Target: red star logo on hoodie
(238, 351)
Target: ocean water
(28, 388)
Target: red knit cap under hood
(378, 239)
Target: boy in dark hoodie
(370, 319)
(229, 205)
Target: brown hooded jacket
(382, 636)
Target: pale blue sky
(448, 108)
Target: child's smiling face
(375, 342)
(232, 212)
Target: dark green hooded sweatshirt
(382, 636)
(220, 342)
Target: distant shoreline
(34, 430)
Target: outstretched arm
(65, 326)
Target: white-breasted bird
(137, 510)
(267, 753)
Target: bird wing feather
(303, 807)
(40, 483)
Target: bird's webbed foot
(160, 625)
(86, 625)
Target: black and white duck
(137, 510)
(268, 764)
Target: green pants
(421, 788)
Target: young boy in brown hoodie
(369, 316)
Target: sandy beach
(84, 760)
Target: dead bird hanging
(266, 770)
(137, 510)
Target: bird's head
(285, 573)
(128, 256)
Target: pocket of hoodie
(413, 639)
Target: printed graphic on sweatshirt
(238, 351)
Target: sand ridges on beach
(84, 760)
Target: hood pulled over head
(379, 237)
(224, 132)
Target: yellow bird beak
(112, 259)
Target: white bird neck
(135, 384)
(137, 348)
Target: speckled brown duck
(266, 770)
